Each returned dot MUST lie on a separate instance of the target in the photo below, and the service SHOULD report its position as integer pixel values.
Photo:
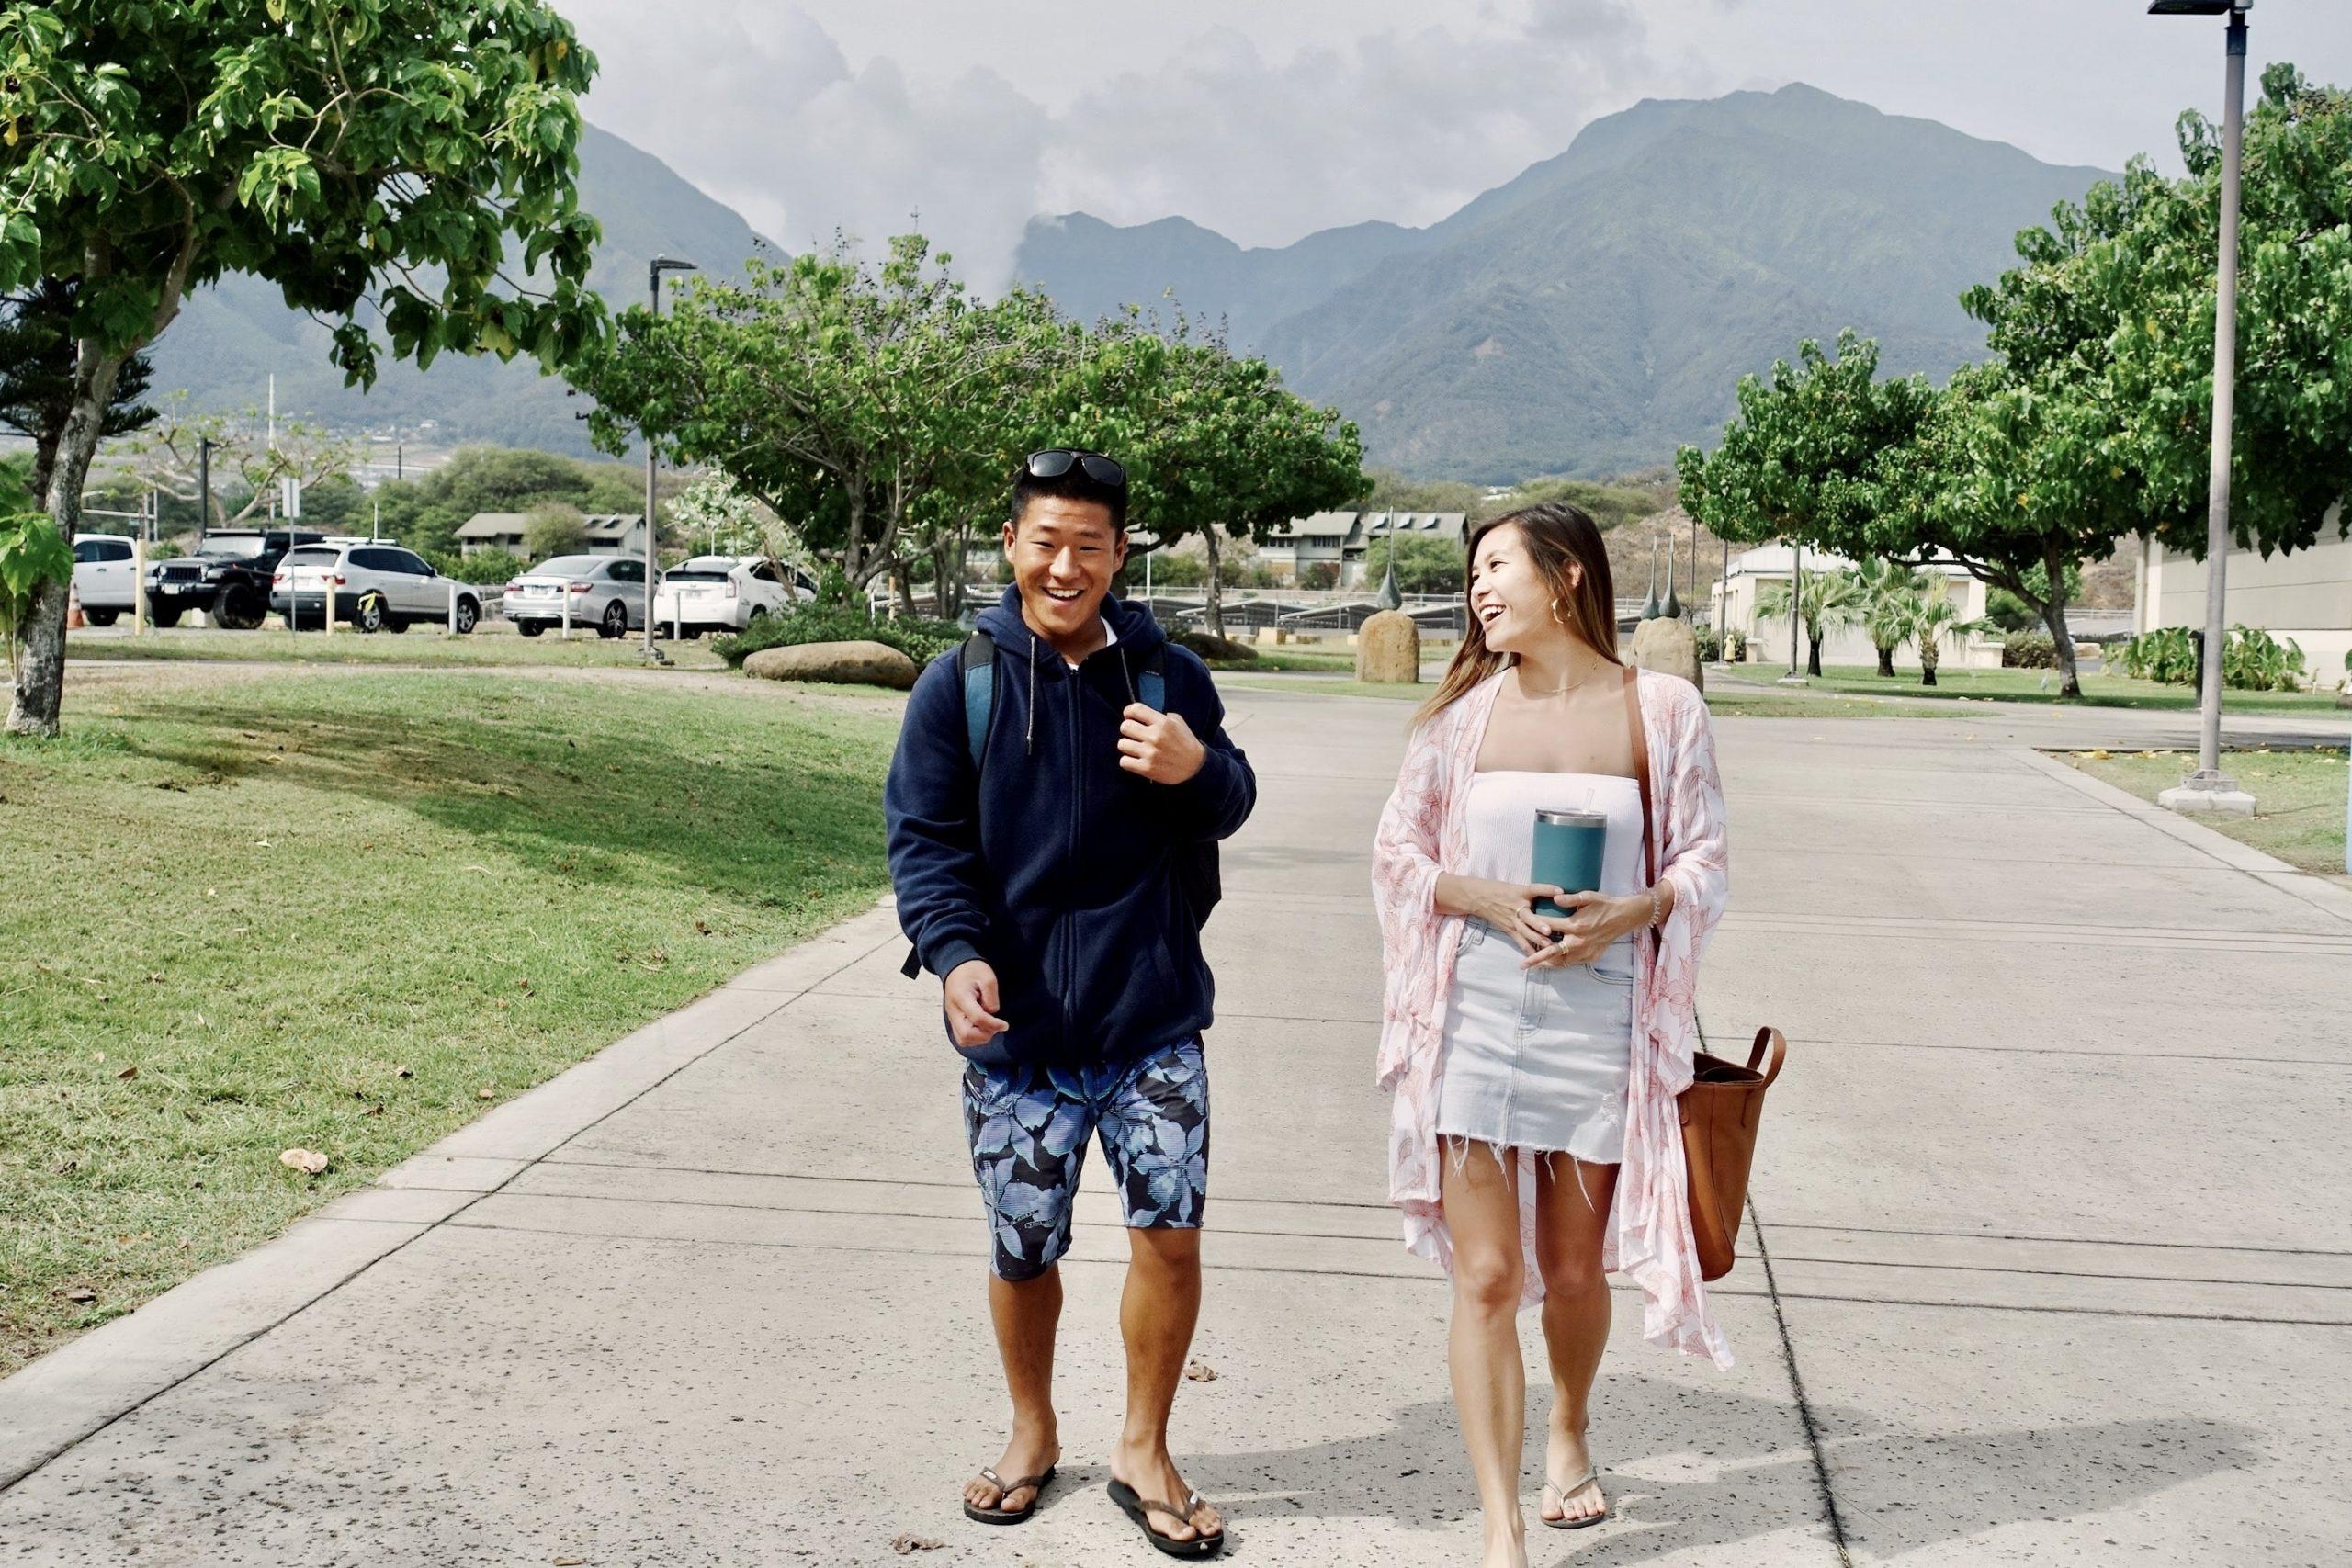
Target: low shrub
(1218, 650)
(482, 568)
(2252, 661)
(1710, 647)
(2030, 649)
(919, 640)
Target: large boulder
(842, 663)
(1388, 649)
(1671, 648)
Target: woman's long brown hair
(1557, 535)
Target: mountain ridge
(1598, 309)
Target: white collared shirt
(1109, 637)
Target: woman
(1533, 1058)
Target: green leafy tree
(1423, 564)
(34, 557)
(554, 529)
(375, 159)
(1216, 446)
(249, 456)
(37, 375)
(866, 406)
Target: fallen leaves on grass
(82, 1294)
(403, 1072)
(485, 1093)
(309, 1161)
(129, 1073)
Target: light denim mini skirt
(1537, 1059)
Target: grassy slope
(2297, 796)
(474, 879)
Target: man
(1051, 844)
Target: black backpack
(1198, 876)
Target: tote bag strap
(1641, 768)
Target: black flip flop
(1009, 1516)
(1140, 1509)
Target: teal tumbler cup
(1568, 846)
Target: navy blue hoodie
(1056, 865)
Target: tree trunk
(41, 681)
(1813, 659)
(2053, 616)
(1886, 661)
(1927, 666)
(1213, 610)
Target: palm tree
(1933, 617)
(1832, 599)
(1889, 593)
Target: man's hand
(1159, 746)
(971, 1001)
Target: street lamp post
(2209, 789)
(653, 271)
(1796, 677)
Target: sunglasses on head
(1056, 462)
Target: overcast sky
(1266, 120)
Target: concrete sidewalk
(2052, 1195)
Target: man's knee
(1173, 1249)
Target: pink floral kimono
(1423, 832)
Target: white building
(1732, 600)
(2302, 595)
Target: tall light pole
(653, 271)
(2208, 788)
(1796, 677)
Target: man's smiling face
(1064, 553)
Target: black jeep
(227, 578)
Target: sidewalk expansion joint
(1796, 1386)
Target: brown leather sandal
(1009, 1516)
(1140, 1509)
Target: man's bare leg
(1026, 1314)
(1157, 1312)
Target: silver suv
(377, 587)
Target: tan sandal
(1591, 1477)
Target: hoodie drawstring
(1029, 741)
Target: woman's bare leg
(1480, 1192)
(1571, 1217)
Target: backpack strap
(976, 666)
(976, 662)
(1152, 681)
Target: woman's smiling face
(1508, 593)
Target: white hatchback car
(726, 593)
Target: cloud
(1404, 125)
(760, 105)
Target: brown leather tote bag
(1725, 1103)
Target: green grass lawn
(331, 910)
(2100, 690)
(2297, 796)
(486, 649)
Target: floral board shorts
(1028, 1123)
